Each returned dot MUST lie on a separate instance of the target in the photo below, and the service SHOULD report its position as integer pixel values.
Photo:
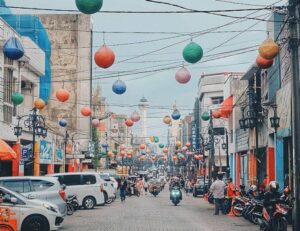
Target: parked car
(30, 214)
(42, 188)
(86, 185)
(108, 190)
(108, 185)
(115, 183)
(199, 188)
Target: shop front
(8, 159)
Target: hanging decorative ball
(264, 63)
(129, 122)
(122, 153)
(156, 139)
(205, 116)
(115, 151)
(167, 120)
(119, 87)
(89, 6)
(153, 158)
(95, 123)
(178, 144)
(17, 98)
(39, 104)
(151, 139)
(216, 114)
(164, 158)
(104, 57)
(13, 48)
(161, 145)
(129, 156)
(135, 117)
(183, 75)
(192, 53)
(268, 49)
(184, 149)
(122, 147)
(142, 158)
(188, 144)
(165, 150)
(142, 146)
(176, 115)
(111, 154)
(175, 158)
(86, 111)
(63, 123)
(62, 95)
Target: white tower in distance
(143, 106)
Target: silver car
(37, 187)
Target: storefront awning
(6, 152)
(226, 107)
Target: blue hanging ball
(63, 123)
(13, 49)
(119, 87)
(176, 115)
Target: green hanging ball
(89, 6)
(161, 145)
(205, 116)
(192, 53)
(156, 139)
(115, 151)
(17, 98)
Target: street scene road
(148, 213)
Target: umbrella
(6, 152)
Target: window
(89, 179)
(217, 100)
(71, 180)
(9, 88)
(219, 131)
(4, 197)
(41, 185)
(20, 186)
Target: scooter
(73, 200)
(155, 191)
(175, 195)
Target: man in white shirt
(218, 190)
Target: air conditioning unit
(25, 85)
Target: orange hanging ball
(104, 57)
(268, 49)
(39, 104)
(217, 114)
(62, 95)
(86, 111)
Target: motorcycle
(175, 195)
(72, 199)
(239, 205)
(278, 220)
(155, 191)
(132, 192)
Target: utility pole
(293, 24)
(212, 149)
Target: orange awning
(226, 107)
(6, 152)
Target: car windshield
(13, 194)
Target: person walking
(146, 186)
(218, 189)
(123, 187)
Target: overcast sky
(161, 88)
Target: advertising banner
(45, 152)
(59, 156)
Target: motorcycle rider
(252, 192)
(271, 197)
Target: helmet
(287, 190)
(274, 186)
(253, 188)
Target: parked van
(37, 187)
(86, 185)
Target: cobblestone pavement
(148, 213)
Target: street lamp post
(66, 143)
(36, 124)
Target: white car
(30, 214)
(115, 183)
(88, 187)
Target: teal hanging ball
(89, 6)
(17, 98)
(192, 53)
(205, 116)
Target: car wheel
(35, 223)
(89, 202)
(107, 200)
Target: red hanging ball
(104, 57)
(264, 63)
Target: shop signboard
(59, 155)
(45, 152)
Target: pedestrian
(146, 186)
(231, 193)
(123, 187)
(218, 189)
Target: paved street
(150, 213)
